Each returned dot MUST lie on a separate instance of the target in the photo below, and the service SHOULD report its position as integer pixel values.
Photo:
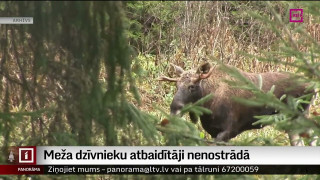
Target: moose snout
(175, 108)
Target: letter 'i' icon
(26, 155)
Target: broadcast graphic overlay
(296, 15)
(162, 160)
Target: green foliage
(178, 131)
(290, 116)
(85, 72)
(196, 107)
(74, 68)
(149, 22)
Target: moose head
(188, 84)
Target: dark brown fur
(229, 118)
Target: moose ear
(178, 70)
(205, 70)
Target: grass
(266, 136)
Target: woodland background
(85, 73)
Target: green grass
(266, 136)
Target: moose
(229, 117)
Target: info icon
(26, 155)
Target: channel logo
(22, 155)
(296, 15)
(26, 155)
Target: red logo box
(22, 155)
(26, 155)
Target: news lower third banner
(161, 160)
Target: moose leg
(226, 135)
(314, 142)
(193, 117)
(223, 136)
(231, 131)
(231, 127)
(295, 140)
